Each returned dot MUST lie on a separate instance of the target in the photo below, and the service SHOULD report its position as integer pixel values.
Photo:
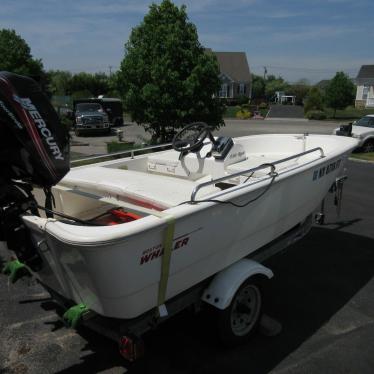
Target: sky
(296, 39)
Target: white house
(365, 87)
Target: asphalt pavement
(93, 145)
(322, 294)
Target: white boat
(209, 209)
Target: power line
(316, 70)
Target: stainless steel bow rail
(252, 170)
(130, 152)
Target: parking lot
(92, 145)
(322, 294)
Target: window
(223, 91)
(365, 92)
(241, 88)
(365, 122)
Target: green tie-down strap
(15, 269)
(73, 315)
(165, 263)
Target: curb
(286, 119)
(358, 160)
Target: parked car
(111, 106)
(90, 117)
(363, 130)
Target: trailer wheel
(240, 319)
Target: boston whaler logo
(152, 253)
(43, 129)
(157, 251)
(319, 173)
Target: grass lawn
(364, 156)
(350, 113)
(120, 147)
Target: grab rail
(130, 151)
(252, 170)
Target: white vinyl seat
(160, 192)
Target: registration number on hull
(324, 170)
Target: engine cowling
(34, 146)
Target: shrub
(263, 106)
(66, 121)
(242, 99)
(316, 114)
(264, 112)
(314, 100)
(243, 114)
(231, 111)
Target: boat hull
(120, 277)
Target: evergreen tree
(339, 92)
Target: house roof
(234, 65)
(366, 74)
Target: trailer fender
(224, 285)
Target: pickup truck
(363, 130)
(90, 117)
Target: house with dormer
(234, 74)
(365, 87)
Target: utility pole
(110, 70)
(265, 72)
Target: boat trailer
(221, 291)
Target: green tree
(300, 89)
(339, 92)
(81, 94)
(114, 85)
(274, 84)
(97, 84)
(314, 100)
(258, 88)
(59, 82)
(166, 77)
(15, 56)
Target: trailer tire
(237, 323)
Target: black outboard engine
(34, 151)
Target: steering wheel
(191, 137)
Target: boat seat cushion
(145, 189)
